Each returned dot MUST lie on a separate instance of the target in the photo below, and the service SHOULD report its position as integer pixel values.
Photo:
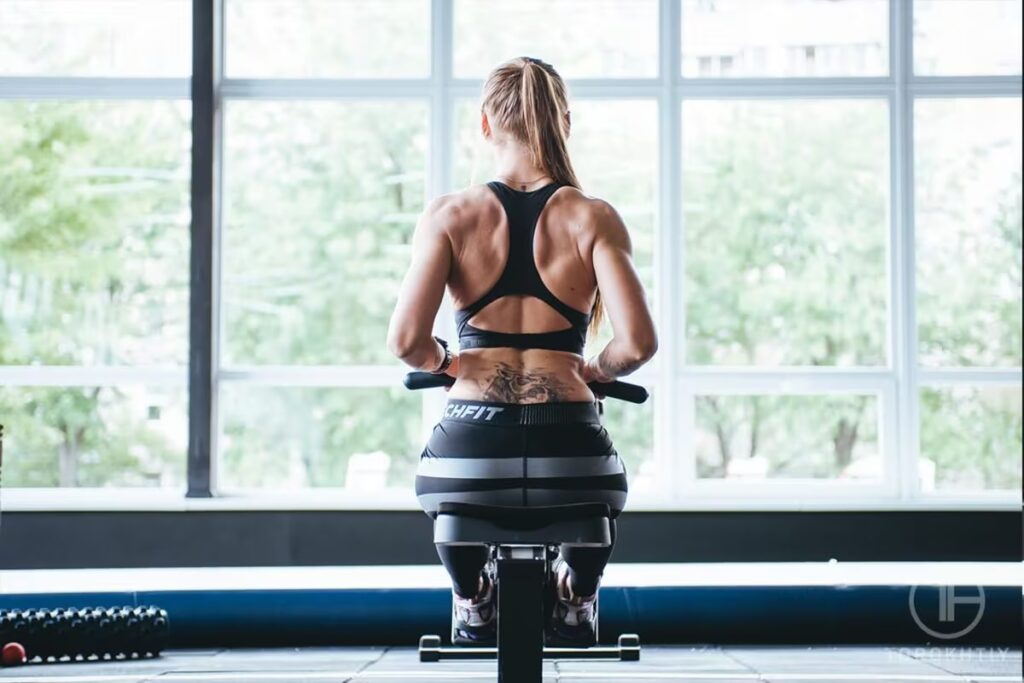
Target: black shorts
(526, 455)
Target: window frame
(897, 383)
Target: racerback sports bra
(521, 278)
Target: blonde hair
(526, 98)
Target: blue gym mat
(720, 603)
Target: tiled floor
(658, 663)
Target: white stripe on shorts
(504, 468)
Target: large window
(824, 198)
(785, 38)
(98, 38)
(94, 242)
(320, 201)
(786, 208)
(583, 38)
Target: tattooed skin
(510, 385)
(613, 368)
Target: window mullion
(205, 200)
(439, 179)
(903, 308)
(673, 436)
(92, 88)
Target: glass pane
(970, 439)
(788, 437)
(94, 436)
(614, 149)
(767, 38)
(581, 38)
(786, 207)
(320, 202)
(292, 438)
(631, 428)
(327, 38)
(967, 37)
(94, 235)
(968, 230)
(96, 38)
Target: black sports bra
(521, 278)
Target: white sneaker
(574, 617)
(474, 620)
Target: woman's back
(481, 234)
(531, 263)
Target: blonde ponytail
(545, 120)
(528, 99)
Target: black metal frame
(521, 623)
(205, 131)
(520, 651)
(523, 554)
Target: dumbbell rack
(87, 633)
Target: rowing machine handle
(624, 391)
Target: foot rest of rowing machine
(626, 650)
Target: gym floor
(658, 663)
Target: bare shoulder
(594, 217)
(446, 208)
(456, 211)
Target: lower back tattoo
(510, 385)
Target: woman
(531, 264)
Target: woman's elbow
(401, 345)
(644, 347)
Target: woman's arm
(634, 340)
(410, 333)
